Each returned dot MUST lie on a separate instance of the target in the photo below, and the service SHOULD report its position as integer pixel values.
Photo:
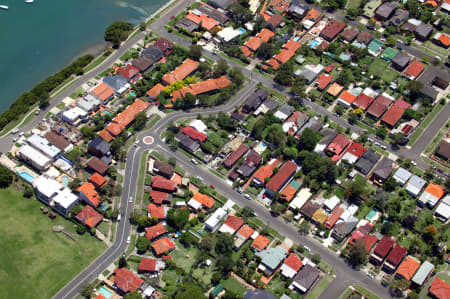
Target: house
(97, 180)
(128, 72)
(89, 194)
(313, 123)
(281, 178)
(370, 7)
(291, 266)
(433, 77)
(400, 16)
(242, 235)
(102, 92)
(181, 72)
(235, 156)
(442, 212)
(414, 70)
(142, 63)
(231, 225)
(200, 200)
(289, 190)
(287, 51)
(155, 231)
(294, 122)
(187, 143)
(401, 176)
(323, 81)
(255, 42)
(407, 269)
(212, 223)
(319, 217)
(353, 153)
(375, 47)
(309, 72)
(328, 135)
(165, 45)
(439, 289)
(194, 134)
(394, 258)
(74, 115)
(344, 228)
(207, 86)
(163, 168)
(443, 150)
(337, 147)
(400, 61)
(159, 197)
(302, 197)
(363, 101)
(260, 243)
(331, 203)
(158, 212)
(251, 162)
(335, 89)
(163, 245)
(346, 99)
(118, 83)
(334, 217)
(284, 112)
(309, 209)
(265, 171)
(99, 147)
(423, 31)
(34, 157)
(389, 54)
(381, 251)
(425, 270)
(395, 113)
(297, 9)
(274, 21)
(126, 281)
(367, 161)
(222, 4)
(442, 39)
(42, 145)
(271, 259)
(150, 265)
(254, 100)
(97, 165)
(88, 103)
(163, 184)
(364, 38)
(53, 194)
(380, 105)
(382, 170)
(432, 194)
(258, 294)
(349, 34)
(332, 29)
(368, 240)
(202, 19)
(385, 11)
(311, 18)
(89, 217)
(187, 25)
(153, 53)
(415, 185)
(59, 141)
(305, 278)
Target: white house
(34, 157)
(212, 223)
(52, 193)
(43, 146)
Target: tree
(81, 229)
(28, 192)
(390, 40)
(178, 218)
(224, 263)
(343, 78)
(6, 177)
(399, 138)
(316, 258)
(135, 216)
(357, 253)
(76, 209)
(206, 243)
(354, 191)
(123, 262)
(87, 290)
(133, 295)
(189, 291)
(308, 140)
(304, 227)
(414, 87)
(216, 277)
(265, 51)
(240, 14)
(339, 109)
(284, 74)
(224, 244)
(390, 184)
(398, 286)
(195, 52)
(118, 32)
(220, 68)
(173, 161)
(142, 26)
(381, 132)
(299, 86)
(141, 119)
(187, 239)
(237, 76)
(352, 117)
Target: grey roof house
(367, 161)
(401, 176)
(400, 61)
(187, 25)
(343, 229)
(254, 100)
(415, 185)
(284, 112)
(115, 82)
(223, 4)
(423, 273)
(271, 258)
(434, 76)
(385, 10)
(313, 123)
(382, 171)
(400, 16)
(423, 31)
(153, 53)
(298, 9)
(305, 278)
(99, 147)
(187, 142)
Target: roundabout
(148, 140)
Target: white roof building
(34, 157)
(43, 146)
(227, 34)
(89, 103)
(442, 212)
(302, 197)
(55, 195)
(349, 158)
(198, 125)
(401, 176)
(72, 115)
(415, 185)
(331, 203)
(192, 203)
(214, 220)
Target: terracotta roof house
(332, 29)
(159, 212)
(346, 98)
(362, 101)
(335, 89)
(97, 165)
(163, 184)
(97, 180)
(255, 42)
(181, 72)
(281, 178)
(309, 208)
(442, 39)
(338, 146)
(260, 243)
(142, 63)
(163, 245)
(265, 171)
(159, 197)
(393, 115)
(334, 217)
(163, 168)
(242, 235)
(275, 21)
(231, 225)
(382, 250)
(89, 194)
(407, 269)
(128, 72)
(202, 20)
(288, 193)
(204, 200)
(364, 37)
(400, 61)
(279, 6)
(102, 92)
(165, 45)
(206, 86)
(235, 156)
(194, 134)
(150, 266)
(349, 34)
(323, 81)
(431, 195)
(291, 266)
(287, 51)
(394, 258)
(379, 106)
(354, 152)
(439, 289)
(155, 231)
(89, 217)
(385, 11)
(414, 69)
(382, 170)
(126, 281)
(305, 278)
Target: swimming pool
(371, 214)
(65, 180)
(26, 176)
(102, 290)
(296, 38)
(241, 30)
(313, 43)
(261, 147)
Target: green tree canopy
(118, 32)
(6, 177)
(178, 218)
(189, 291)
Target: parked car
(307, 248)
(239, 191)
(194, 161)
(370, 275)
(212, 186)
(128, 240)
(414, 163)
(131, 199)
(118, 218)
(15, 131)
(247, 196)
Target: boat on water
(29, 1)
(4, 7)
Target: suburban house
(99, 147)
(344, 228)
(265, 171)
(442, 211)
(415, 185)
(118, 83)
(382, 171)
(253, 44)
(385, 11)
(200, 200)
(353, 153)
(89, 217)
(165, 45)
(332, 29)
(43, 146)
(334, 217)
(251, 162)
(284, 112)
(311, 18)
(423, 31)
(163, 169)
(33, 157)
(400, 16)
(281, 178)
(98, 180)
(158, 212)
(126, 281)
(379, 106)
(242, 235)
(381, 250)
(439, 289)
(181, 72)
(153, 53)
(407, 269)
(431, 195)
(222, 4)
(363, 101)
(297, 9)
(88, 194)
(128, 72)
(337, 147)
(159, 197)
(310, 72)
(425, 270)
(206, 86)
(349, 34)
(254, 100)
(287, 51)
(434, 78)
(163, 245)
(271, 259)
(394, 258)
(97, 165)
(163, 184)
(401, 176)
(443, 150)
(143, 64)
(291, 266)
(305, 278)
(414, 70)
(231, 225)
(150, 265)
(260, 243)
(400, 61)
(294, 122)
(235, 156)
(88, 103)
(102, 92)
(155, 231)
(309, 208)
(59, 141)
(212, 223)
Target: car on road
(15, 131)
(128, 240)
(414, 163)
(21, 134)
(118, 218)
(131, 199)
(212, 186)
(247, 196)
(377, 143)
(239, 191)
(136, 143)
(193, 161)
(307, 248)
(14, 139)
(383, 146)
(370, 275)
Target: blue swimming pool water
(313, 43)
(296, 38)
(261, 147)
(107, 112)
(65, 180)
(107, 294)
(241, 30)
(26, 176)
(371, 214)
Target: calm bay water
(37, 40)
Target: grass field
(233, 285)
(36, 262)
(380, 68)
(425, 124)
(362, 290)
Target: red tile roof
(379, 106)
(181, 72)
(194, 134)
(285, 172)
(347, 97)
(332, 29)
(329, 68)
(236, 155)
(440, 289)
(294, 262)
(204, 199)
(161, 183)
(357, 236)
(356, 149)
(147, 265)
(369, 241)
(288, 193)
(155, 90)
(287, 51)
(323, 81)
(396, 255)
(402, 104)
(408, 267)
(414, 69)
(126, 280)
(102, 91)
(89, 216)
(206, 22)
(245, 231)
(260, 242)
(202, 87)
(266, 171)
(165, 45)
(313, 15)
(384, 247)
(155, 231)
(275, 20)
(338, 145)
(97, 165)
(363, 101)
(337, 212)
(393, 115)
(234, 222)
(335, 89)
(128, 72)
(88, 190)
(156, 211)
(162, 245)
(158, 197)
(435, 190)
(97, 180)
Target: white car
(194, 161)
(414, 163)
(15, 131)
(307, 248)
(370, 275)
(118, 218)
(131, 199)
(128, 240)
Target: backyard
(32, 254)
(380, 68)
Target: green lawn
(36, 262)
(380, 68)
(362, 290)
(184, 257)
(233, 285)
(320, 287)
(424, 124)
